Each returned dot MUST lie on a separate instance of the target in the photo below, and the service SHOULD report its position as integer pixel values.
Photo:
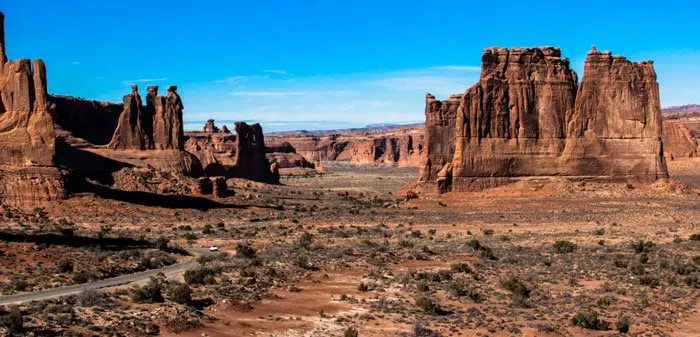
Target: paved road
(112, 282)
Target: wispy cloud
(141, 80)
(275, 71)
(75, 63)
(238, 79)
(267, 93)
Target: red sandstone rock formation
(440, 119)
(678, 141)
(399, 147)
(234, 156)
(157, 125)
(210, 126)
(527, 116)
(27, 135)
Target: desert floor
(322, 255)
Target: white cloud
(141, 80)
(75, 63)
(275, 71)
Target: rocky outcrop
(528, 116)
(155, 126)
(210, 126)
(440, 121)
(250, 161)
(27, 134)
(401, 148)
(240, 155)
(678, 141)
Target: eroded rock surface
(27, 134)
(528, 116)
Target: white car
(213, 249)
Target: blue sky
(328, 64)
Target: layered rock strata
(529, 116)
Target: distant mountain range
(681, 109)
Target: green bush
(150, 293)
(623, 324)
(65, 266)
(180, 293)
(589, 320)
(244, 250)
(200, 276)
(430, 306)
(564, 247)
(207, 230)
(461, 268)
(12, 321)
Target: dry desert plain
(347, 253)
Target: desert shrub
(599, 231)
(641, 246)
(305, 240)
(185, 227)
(65, 266)
(180, 293)
(695, 237)
(161, 243)
(589, 320)
(488, 232)
(619, 263)
(151, 292)
(90, 298)
(637, 269)
(432, 231)
(458, 289)
(207, 230)
(429, 306)
(460, 268)
(405, 244)
(487, 253)
(244, 250)
(421, 331)
(13, 320)
(351, 332)
(692, 280)
(422, 287)
(200, 275)
(564, 247)
(520, 293)
(365, 286)
(81, 276)
(623, 324)
(189, 236)
(649, 281)
(474, 244)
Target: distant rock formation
(234, 156)
(155, 126)
(678, 141)
(210, 126)
(528, 116)
(92, 121)
(397, 148)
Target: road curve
(106, 283)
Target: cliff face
(528, 116)
(678, 141)
(440, 127)
(92, 121)
(27, 135)
(393, 149)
